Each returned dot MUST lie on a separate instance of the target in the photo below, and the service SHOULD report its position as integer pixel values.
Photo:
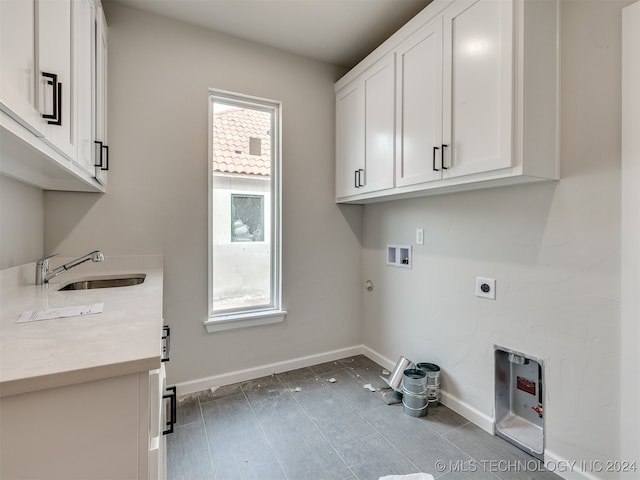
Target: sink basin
(106, 282)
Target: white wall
(553, 248)
(159, 75)
(21, 222)
(630, 331)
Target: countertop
(123, 339)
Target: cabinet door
(379, 126)
(85, 79)
(18, 75)
(419, 107)
(100, 111)
(349, 140)
(55, 47)
(477, 86)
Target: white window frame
(274, 313)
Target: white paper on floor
(411, 476)
(369, 387)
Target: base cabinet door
(104, 429)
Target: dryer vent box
(519, 400)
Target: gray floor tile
(263, 430)
(304, 378)
(253, 462)
(188, 409)
(187, 454)
(365, 367)
(443, 419)
(350, 387)
(497, 456)
(471, 472)
(339, 423)
(268, 396)
(412, 436)
(220, 392)
(327, 367)
(372, 456)
(302, 450)
(231, 427)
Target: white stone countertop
(125, 338)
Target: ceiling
(340, 32)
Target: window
(247, 218)
(244, 212)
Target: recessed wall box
(519, 400)
(399, 256)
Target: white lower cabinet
(109, 428)
(476, 99)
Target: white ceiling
(340, 32)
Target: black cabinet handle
(166, 346)
(99, 143)
(172, 421)
(442, 157)
(106, 158)
(54, 118)
(360, 175)
(355, 179)
(434, 159)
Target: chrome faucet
(43, 274)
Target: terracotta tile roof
(234, 132)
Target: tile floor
(264, 429)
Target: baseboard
(379, 359)
(571, 470)
(263, 370)
(472, 414)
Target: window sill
(243, 320)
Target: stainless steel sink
(106, 282)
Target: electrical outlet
(486, 288)
(419, 236)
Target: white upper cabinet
(478, 90)
(419, 106)
(476, 99)
(18, 75)
(100, 140)
(56, 67)
(365, 113)
(379, 125)
(47, 93)
(85, 81)
(349, 140)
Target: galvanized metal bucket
(432, 372)
(414, 393)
